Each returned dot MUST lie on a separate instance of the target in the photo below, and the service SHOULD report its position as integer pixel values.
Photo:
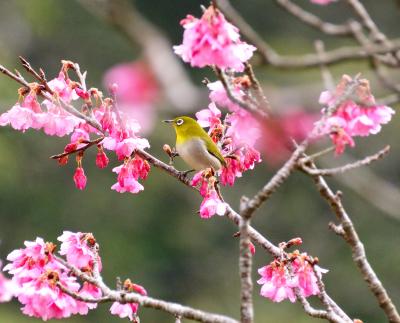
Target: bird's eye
(179, 122)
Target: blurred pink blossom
(136, 90)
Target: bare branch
(245, 266)
(332, 171)
(358, 250)
(282, 174)
(110, 295)
(313, 20)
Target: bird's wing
(212, 148)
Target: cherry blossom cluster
(45, 285)
(116, 131)
(295, 272)
(211, 40)
(351, 111)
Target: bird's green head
(186, 128)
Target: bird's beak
(168, 121)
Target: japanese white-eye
(195, 146)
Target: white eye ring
(179, 122)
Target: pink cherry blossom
(63, 88)
(135, 82)
(101, 159)
(209, 118)
(211, 40)
(79, 248)
(128, 310)
(277, 284)
(90, 291)
(29, 262)
(244, 128)
(351, 119)
(199, 178)
(19, 118)
(280, 278)
(80, 178)
(232, 170)
(42, 297)
(124, 310)
(212, 205)
(126, 180)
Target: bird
(195, 146)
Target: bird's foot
(183, 174)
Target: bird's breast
(194, 152)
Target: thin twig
(83, 148)
(252, 107)
(332, 171)
(313, 20)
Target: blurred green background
(156, 238)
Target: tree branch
(358, 250)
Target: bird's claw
(183, 174)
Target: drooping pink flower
(128, 310)
(351, 118)
(211, 40)
(57, 124)
(209, 118)
(101, 159)
(92, 291)
(229, 173)
(280, 278)
(212, 205)
(80, 178)
(126, 180)
(79, 248)
(19, 118)
(277, 284)
(199, 178)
